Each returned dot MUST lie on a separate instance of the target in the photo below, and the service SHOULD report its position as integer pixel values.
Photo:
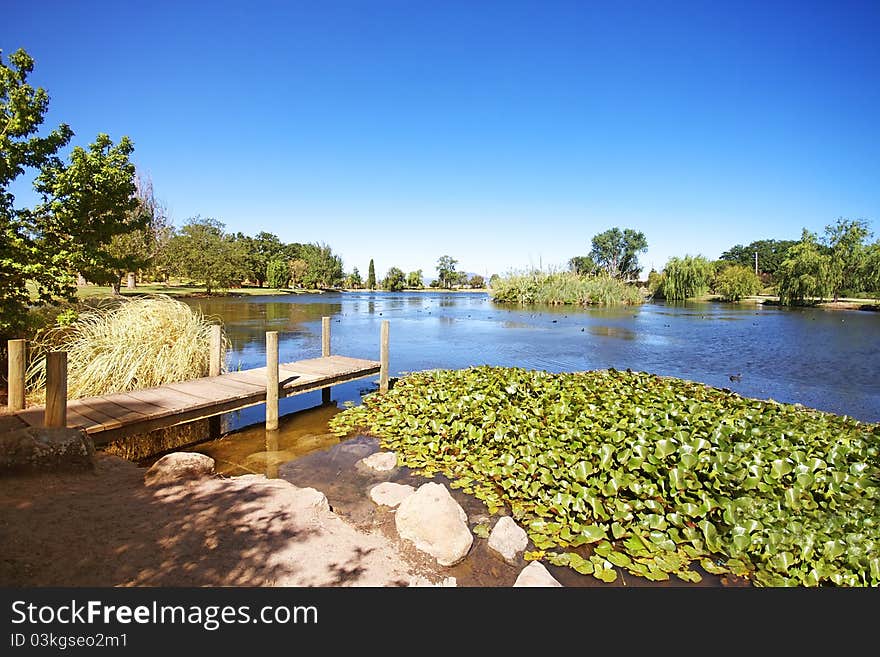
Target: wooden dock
(118, 415)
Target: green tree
(617, 251)
(354, 281)
(371, 276)
(582, 265)
(477, 282)
(26, 255)
(298, 268)
(259, 251)
(655, 283)
(771, 253)
(446, 273)
(846, 242)
(394, 280)
(871, 269)
(91, 201)
(685, 278)
(203, 252)
(277, 273)
(494, 279)
(324, 268)
(736, 282)
(806, 272)
(414, 279)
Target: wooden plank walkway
(118, 415)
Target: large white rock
(435, 523)
(535, 574)
(390, 494)
(508, 538)
(380, 461)
(178, 467)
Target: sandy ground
(107, 528)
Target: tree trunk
(116, 286)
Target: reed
(558, 288)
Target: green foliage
(493, 280)
(324, 268)
(630, 472)
(277, 273)
(353, 281)
(806, 274)
(771, 253)
(414, 279)
(685, 278)
(871, 268)
(477, 282)
(446, 274)
(845, 240)
(203, 252)
(395, 280)
(617, 251)
(583, 265)
(297, 270)
(557, 288)
(258, 252)
(26, 255)
(655, 283)
(371, 276)
(736, 282)
(91, 201)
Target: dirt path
(108, 529)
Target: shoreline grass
(564, 288)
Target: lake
(826, 359)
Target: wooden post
(56, 389)
(325, 336)
(15, 379)
(383, 358)
(325, 351)
(215, 360)
(271, 380)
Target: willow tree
(806, 273)
(687, 277)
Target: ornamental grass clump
(126, 344)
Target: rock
(418, 580)
(535, 574)
(313, 500)
(435, 523)
(380, 461)
(508, 538)
(179, 466)
(38, 449)
(389, 494)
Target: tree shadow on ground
(136, 535)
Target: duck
(735, 377)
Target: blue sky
(504, 134)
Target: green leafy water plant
(614, 471)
